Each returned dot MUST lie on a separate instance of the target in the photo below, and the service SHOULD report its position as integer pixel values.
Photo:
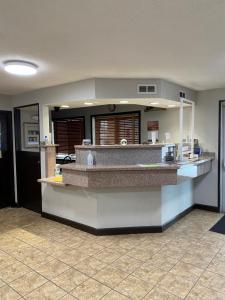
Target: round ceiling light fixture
(20, 67)
(154, 103)
(64, 106)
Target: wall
(175, 199)
(168, 119)
(207, 118)
(5, 102)
(60, 94)
(127, 88)
(56, 95)
(168, 122)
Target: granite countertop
(108, 168)
(137, 167)
(129, 146)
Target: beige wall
(60, 94)
(207, 118)
(5, 102)
(168, 122)
(206, 124)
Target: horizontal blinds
(67, 133)
(109, 130)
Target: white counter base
(112, 208)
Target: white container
(90, 159)
(46, 140)
(153, 137)
(57, 169)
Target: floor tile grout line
(33, 270)
(58, 258)
(200, 275)
(15, 291)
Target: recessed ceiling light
(123, 101)
(171, 105)
(19, 67)
(154, 103)
(88, 103)
(65, 106)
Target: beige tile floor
(41, 259)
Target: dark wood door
(7, 195)
(28, 172)
(27, 163)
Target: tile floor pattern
(41, 259)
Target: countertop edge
(49, 180)
(129, 146)
(74, 167)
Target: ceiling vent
(182, 94)
(146, 89)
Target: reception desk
(128, 190)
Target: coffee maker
(169, 153)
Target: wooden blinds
(67, 133)
(110, 129)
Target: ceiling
(179, 40)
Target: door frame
(12, 201)
(221, 155)
(14, 129)
(18, 143)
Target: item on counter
(90, 159)
(123, 142)
(153, 131)
(57, 178)
(57, 170)
(86, 142)
(153, 136)
(167, 137)
(46, 140)
(197, 148)
(170, 154)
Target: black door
(28, 157)
(7, 196)
(28, 172)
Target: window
(110, 129)
(67, 133)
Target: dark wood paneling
(68, 133)
(7, 197)
(110, 129)
(28, 169)
(28, 172)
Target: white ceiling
(179, 40)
